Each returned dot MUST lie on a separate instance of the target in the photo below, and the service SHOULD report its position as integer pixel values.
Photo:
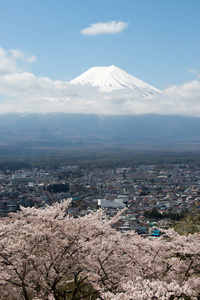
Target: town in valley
(154, 197)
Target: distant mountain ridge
(55, 131)
(113, 78)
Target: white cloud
(111, 27)
(17, 54)
(192, 71)
(24, 92)
(7, 65)
(9, 60)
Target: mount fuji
(112, 78)
(91, 123)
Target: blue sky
(160, 44)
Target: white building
(117, 203)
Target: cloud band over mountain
(22, 91)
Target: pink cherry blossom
(47, 254)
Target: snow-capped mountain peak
(113, 78)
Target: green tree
(189, 224)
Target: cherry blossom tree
(47, 254)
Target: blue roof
(156, 233)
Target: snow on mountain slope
(113, 78)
